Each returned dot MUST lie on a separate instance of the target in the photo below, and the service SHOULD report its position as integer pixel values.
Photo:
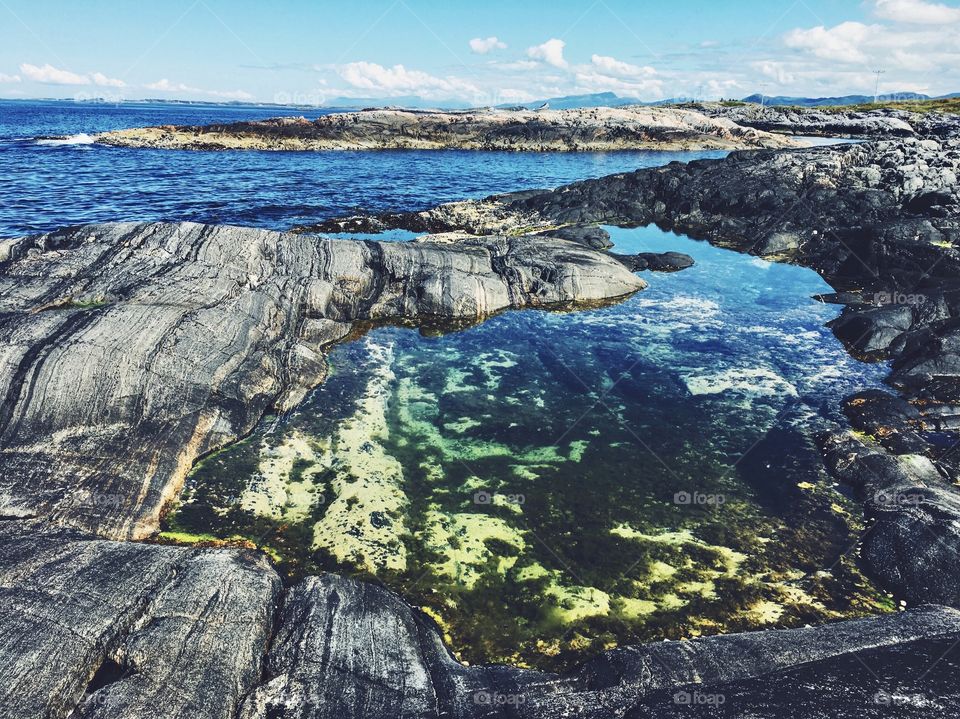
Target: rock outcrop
(130, 350)
(94, 628)
(596, 128)
(879, 123)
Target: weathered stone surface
(914, 538)
(177, 632)
(594, 128)
(882, 122)
(129, 350)
(347, 649)
(117, 629)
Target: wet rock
(871, 331)
(656, 261)
(130, 350)
(912, 543)
(889, 418)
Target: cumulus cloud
(481, 46)
(164, 85)
(916, 11)
(550, 52)
(843, 43)
(398, 80)
(777, 71)
(611, 66)
(50, 75)
(9, 78)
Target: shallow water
(550, 484)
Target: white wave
(81, 139)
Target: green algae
(531, 499)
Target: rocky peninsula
(835, 122)
(587, 129)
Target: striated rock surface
(596, 129)
(118, 629)
(882, 122)
(129, 350)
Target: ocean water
(50, 184)
(545, 485)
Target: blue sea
(53, 183)
(544, 484)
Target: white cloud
(843, 42)
(550, 52)
(398, 80)
(481, 46)
(50, 75)
(916, 11)
(777, 71)
(9, 78)
(164, 85)
(104, 81)
(612, 66)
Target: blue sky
(477, 52)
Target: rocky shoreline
(880, 221)
(879, 123)
(588, 129)
(131, 350)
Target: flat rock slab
(585, 129)
(94, 628)
(127, 351)
(176, 632)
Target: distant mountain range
(844, 100)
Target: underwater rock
(131, 350)
(583, 129)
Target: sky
(475, 53)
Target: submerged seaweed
(549, 485)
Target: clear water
(545, 485)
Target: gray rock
(347, 649)
(114, 629)
(128, 351)
(582, 129)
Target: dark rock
(155, 631)
(656, 261)
(891, 419)
(590, 235)
(914, 537)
